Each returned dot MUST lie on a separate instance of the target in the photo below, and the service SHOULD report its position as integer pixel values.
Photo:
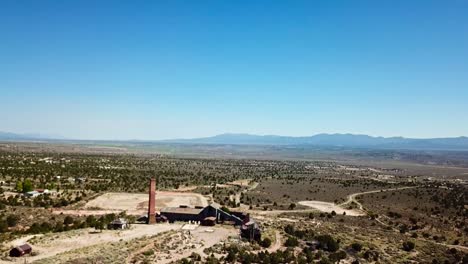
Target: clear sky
(172, 69)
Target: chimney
(152, 202)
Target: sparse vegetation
(427, 219)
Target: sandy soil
(329, 207)
(136, 203)
(278, 243)
(243, 182)
(201, 239)
(85, 212)
(50, 245)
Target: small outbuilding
(20, 250)
(251, 231)
(119, 223)
(161, 218)
(32, 194)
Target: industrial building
(200, 214)
(208, 216)
(251, 231)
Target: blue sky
(172, 69)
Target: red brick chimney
(152, 202)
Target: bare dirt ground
(330, 207)
(243, 182)
(197, 240)
(352, 197)
(339, 209)
(49, 245)
(237, 197)
(278, 243)
(136, 203)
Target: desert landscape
(234, 132)
(370, 213)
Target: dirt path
(328, 207)
(237, 197)
(277, 245)
(50, 245)
(201, 238)
(459, 247)
(352, 197)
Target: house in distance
(20, 250)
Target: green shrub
(266, 242)
(291, 242)
(12, 220)
(328, 243)
(356, 246)
(408, 245)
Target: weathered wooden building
(198, 214)
(119, 223)
(20, 250)
(251, 231)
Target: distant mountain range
(27, 137)
(337, 140)
(321, 140)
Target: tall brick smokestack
(152, 202)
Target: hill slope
(342, 140)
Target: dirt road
(328, 207)
(52, 244)
(237, 197)
(277, 245)
(352, 197)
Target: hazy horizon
(60, 137)
(169, 70)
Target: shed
(161, 218)
(32, 194)
(119, 223)
(20, 250)
(251, 231)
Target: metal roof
(24, 248)
(215, 205)
(119, 221)
(179, 210)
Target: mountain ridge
(337, 139)
(323, 139)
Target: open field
(435, 212)
(386, 204)
(134, 203)
(50, 245)
(281, 192)
(443, 161)
(163, 247)
(331, 207)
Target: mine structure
(209, 215)
(152, 202)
